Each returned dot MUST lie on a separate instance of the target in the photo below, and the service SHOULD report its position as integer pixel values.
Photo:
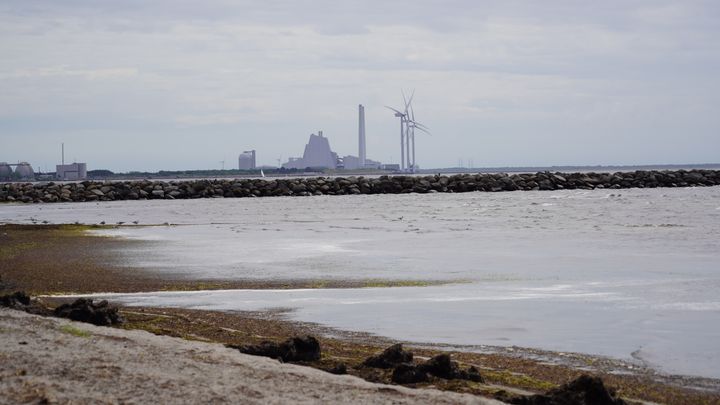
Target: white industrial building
(317, 155)
(23, 171)
(5, 171)
(353, 163)
(74, 171)
(246, 160)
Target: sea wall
(228, 188)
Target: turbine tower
(402, 136)
(361, 136)
(409, 135)
(412, 125)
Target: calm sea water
(632, 274)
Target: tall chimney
(62, 160)
(361, 135)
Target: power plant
(71, 172)
(247, 160)
(319, 155)
(23, 171)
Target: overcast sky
(178, 84)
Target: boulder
(22, 302)
(585, 390)
(390, 357)
(16, 300)
(440, 366)
(304, 348)
(84, 310)
(408, 374)
(338, 369)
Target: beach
(329, 265)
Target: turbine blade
(393, 109)
(424, 130)
(420, 125)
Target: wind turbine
(411, 125)
(402, 117)
(415, 125)
(407, 133)
(407, 128)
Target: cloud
(265, 75)
(64, 71)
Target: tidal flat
(623, 277)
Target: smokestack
(361, 135)
(63, 154)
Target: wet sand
(64, 259)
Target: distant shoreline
(274, 172)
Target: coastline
(51, 360)
(66, 247)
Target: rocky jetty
(460, 183)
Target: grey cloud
(500, 79)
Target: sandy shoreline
(62, 259)
(108, 365)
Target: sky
(176, 84)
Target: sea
(627, 274)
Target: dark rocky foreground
(81, 310)
(147, 190)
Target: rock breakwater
(459, 183)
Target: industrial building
(74, 171)
(317, 155)
(23, 171)
(246, 160)
(353, 163)
(360, 161)
(5, 171)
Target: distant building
(353, 163)
(25, 171)
(75, 171)
(246, 160)
(317, 155)
(5, 171)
